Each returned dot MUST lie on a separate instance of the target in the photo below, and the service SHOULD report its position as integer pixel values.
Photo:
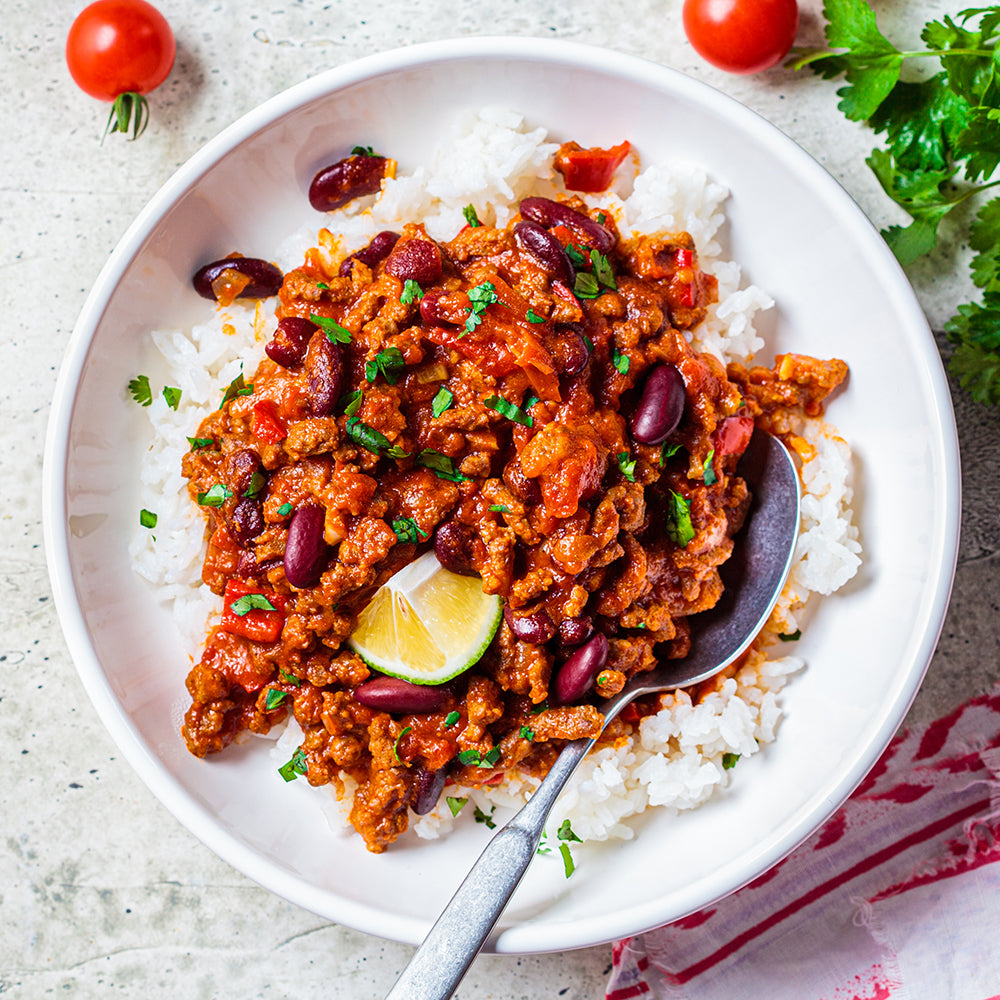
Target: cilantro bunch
(942, 147)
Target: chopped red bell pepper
(257, 624)
(589, 170)
(267, 425)
(732, 435)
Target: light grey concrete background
(102, 893)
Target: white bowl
(839, 293)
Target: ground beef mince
(525, 401)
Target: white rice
(678, 757)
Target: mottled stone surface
(102, 893)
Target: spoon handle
(438, 965)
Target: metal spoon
(753, 577)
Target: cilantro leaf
(147, 518)
(455, 804)
(238, 387)
(407, 530)
(172, 395)
(509, 410)
(215, 496)
(296, 766)
(375, 441)
(679, 527)
(442, 401)
(984, 238)
(273, 699)
(441, 465)
(337, 333)
(389, 362)
(626, 466)
(250, 602)
(412, 292)
(471, 216)
(140, 391)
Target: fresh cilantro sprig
(942, 147)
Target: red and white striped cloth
(896, 897)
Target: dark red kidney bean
(241, 467)
(417, 260)
(306, 551)
(546, 249)
(576, 676)
(346, 180)
(288, 345)
(325, 368)
(373, 254)
(548, 214)
(660, 406)
(427, 789)
(247, 566)
(392, 694)
(525, 489)
(535, 628)
(453, 547)
(568, 350)
(574, 631)
(265, 278)
(246, 521)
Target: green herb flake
(322, 286)
(508, 410)
(533, 317)
(351, 402)
(626, 466)
(527, 734)
(395, 746)
(455, 804)
(451, 718)
(172, 395)
(285, 509)
(729, 760)
(412, 292)
(586, 286)
(147, 518)
(407, 530)
(588, 343)
(140, 391)
(569, 866)
(679, 527)
(337, 333)
(198, 443)
(470, 758)
(576, 257)
(499, 508)
(442, 401)
(289, 678)
(790, 636)
(471, 216)
(296, 766)
(251, 602)
(363, 151)
(538, 709)
(215, 496)
(668, 451)
(622, 362)
(375, 441)
(480, 296)
(238, 387)
(257, 482)
(487, 818)
(273, 699)
(708, 473)
(602, 270)
(565, 832)
(389, 363)
(441, 465)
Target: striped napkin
(896, 897)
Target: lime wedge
(426, 624)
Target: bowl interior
(838, 293)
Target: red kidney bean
(525, 489)
(546, 249)
(660, 406)
(373, 254)
(247, 566)
(576, 676)
(325, 374)
(392, 694)
(453, 547)
(265, 278)
(574, 631)
(241, 466)
(548, 214)
(568, 350)
(246, 521)
(535, 628)
(427, 789)
(416, 259)
(346, 180)
(288, 345)
(306, 551)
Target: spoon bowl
(753, 577)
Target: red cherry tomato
(741, 36)
(119, 46)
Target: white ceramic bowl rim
(192, 814)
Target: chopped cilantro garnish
(351, 402)
(198, 443)
(257, 482)
(296, 766)
(729, 760)
(471, 216)
(289, 678)
(395, 746)
(536, 709)
(389, 362)
(451, 718)
(565, 832)
(407, 530)
(172, 395)
(375, 441)
(626, 465)
(285, 509)
(602, 270)
(622, 362)
(140, 390)
(412, 292)
(533, 317)
(481, 817)
(526, 733)
(238, 387)
(337, 333)
(473, 758)
(480, 296)
(251, 602)
(215, 496)
(455, 804)
(588, 343)
(147, 518)
(363, 151)
(322, 286)
(569, 866)
(585, 286)
(667, 451)
(708, 473)
(577, 258)
(499, 508)
(679, 527)
(509, 410)
(790, 636)
(441, 465)
(273, 699)
(442, 401)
